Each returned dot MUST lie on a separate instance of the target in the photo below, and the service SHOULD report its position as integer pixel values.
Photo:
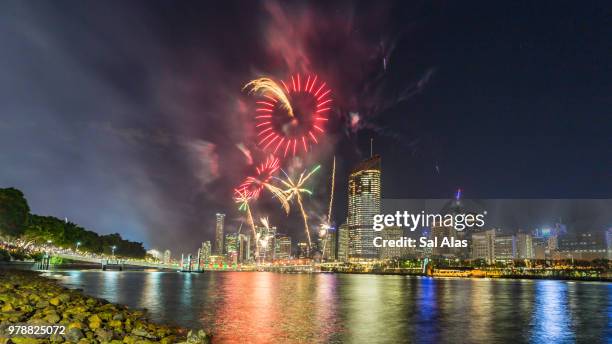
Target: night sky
(127, 116)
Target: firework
(295, 189)
(242, 198)
(253, 185)
(284, 129)
(280, 195)
(268, 88)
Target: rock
(76, 324)
(118, 316)
(196, 338)
(115, 324)
(107, 316)
(143, 333)
(73, 335)
(130, 339)
(64, 298)
(7, 307)
(56, 338)
(33, 298)
(168, 340)
(55, 301)
(42, 304)
(26, 308)
(26, 340)
(104, 335)
(89, 335)
(52, 317)
(94, 322)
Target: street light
(113, 247)
(77, 245)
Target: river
(261, 307)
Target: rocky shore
(27, 297)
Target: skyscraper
(343, 242)
(483, 245)
(327, 243)
(505, 247)
(204, 253)
(231, 247)
(390, 252)
(363, 204)
(265, 236)
(219, 234)
(609, 242)
(282, 246)
(244, 248)
(524, 246)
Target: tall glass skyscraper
(363, 204)
(219, 234)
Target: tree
(14, 212)
(16, 220)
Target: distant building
(219, 234)
(231, 247)
(540, 248)
(583, 246)
(440, 232)
(505, 247)
(524, 246)
(364, 201)
(265, 237)
(303, 250)
(327, 244)
(167, 257)
(282, 246)
(343, 242)
(204, 253)
(392, 233)
(155, 254)
(609, 242)
(244, 248)
(483, 245)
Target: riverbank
(27, 297)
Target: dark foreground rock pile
(26, 297)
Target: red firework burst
(278, 131)
(252, 186)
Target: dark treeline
(17, 222)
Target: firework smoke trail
(331, 196)
(267, 85)
(243, 199)
(296, 189)
(329, 210)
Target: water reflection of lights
(151, 297)
(551, 317)
(186, 292)
(427, 306)
(110, 281)
(367, 305)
